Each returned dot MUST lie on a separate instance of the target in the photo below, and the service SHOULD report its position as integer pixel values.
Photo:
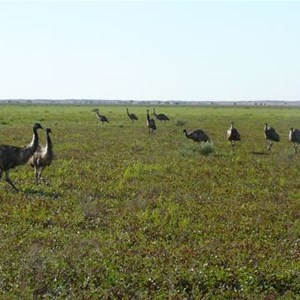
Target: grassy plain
(128, 215)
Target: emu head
(37, 126)
(266, 126)
(48, 130)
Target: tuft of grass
(180, 123)
(192, 149)
(143, 171)
(207, 148)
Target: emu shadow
(259, 153)
(40, 193)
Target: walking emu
(161, 117)
(150, 123)
(12, 156)
(294, 137)
(42, 157)
(131, 116)
(271, 135)
(101, 118)
(197, 135)
(233, 135)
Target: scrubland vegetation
(131, 215)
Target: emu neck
(48, 143)
(186, 134)
(31, 148)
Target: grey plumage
(131, 116)
(150, 123)
(42, 157)
(12, 156)
(197, 135)
(233, 135)
(271, 135)
(161, 117)
(294, 137)
(101, 118)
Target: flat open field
(131, 215)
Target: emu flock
(39, 157)
(200, 136)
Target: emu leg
(295, 147)
(36, 176)
(233, 145)
(270, 145)
(7, 179)
(40, 174)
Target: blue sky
(167, 50)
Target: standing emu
(161, 117)
(271, 135)
(101, 118)
(12, 156)
(294, 137)
(150, 123)
(197, 135)
(42, 157)
(131, 116)
(233, 135)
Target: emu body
(271, 136)
(161, 117)
(294, 137)
(131, 116)
(42, 157)
(101, 118)
(233, 135)
(12, 156)
(197, 135)
(150, 123)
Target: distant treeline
(151, 102)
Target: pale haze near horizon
(155, 50)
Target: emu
(197, 135)
(42, 157)
(12, 156)
(271, 136)
(233, 135)
(131, 116)
(294, 137)
(161, 117)
(150, 123)
(101, 118)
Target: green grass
(133, 215)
